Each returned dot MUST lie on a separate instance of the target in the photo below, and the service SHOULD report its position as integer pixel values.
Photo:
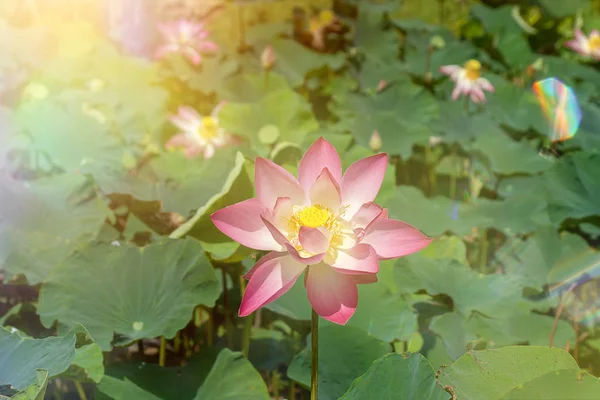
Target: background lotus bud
(267, 58)
(375, 141)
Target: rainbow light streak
(560, 107)
(590, 262)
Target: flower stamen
(473, 69)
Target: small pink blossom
(324, 223)
(267, 58)
(381, 85)
(588, 46)
(468, 80)
(199, 134)
(187, 38)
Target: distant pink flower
(199, 134)
(588, 46)
(267, 58)
(381, 85)
(324, 223)
(468, 80)
(187, 38)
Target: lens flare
(560, 107)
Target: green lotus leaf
(232, 377)
(24, 355)
(568, 383)
(444, 276)
(177, 278)
(400, 114)
(397, 377)
(492, 374)
(456, 331)
(572, 185)
(37, 390)
(285, 109)
(30, 243)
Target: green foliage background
(107, 253)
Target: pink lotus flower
(323, 223)
(468, 80)
(185, 37)
(588, 46)
(200, 134)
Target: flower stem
(247, 335)
(80, 390)
(559, 310)
(275, 383)
(162, 351)
(266, 80)
(483, 251)
(314, 364)
(292, 394)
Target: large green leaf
(180, 184)
(20, 356)
(37, 390)
(211, 77)
(211, 374)
(456, 331)
(70, 138)
(134, 292)
(492, 374)
(124, 389)
(518, 214)
(232, 377)
(492, 295)
(285, 109)
(516, 107)
(421, 59)
(30, 243)
(296, 61)
(559, 9)
(573, 188)
(431, 216)
(384, 315)
(456, 125)
(572, 384)
(399, 378)
(345, 353)
(510, 157)
(401, 114)
(229, 189)
(546, 258)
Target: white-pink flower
(187, 38)
(588, 46)
(468, 80)
(324, 223)
(199, 134)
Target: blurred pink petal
(312, 240)
(326, 191)
(392, 238)
(319, 156)
(333, 295)
(366, 214)
(269, 281)
(242, 222)
(361, 259)
(362, 181)
(273, 181)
